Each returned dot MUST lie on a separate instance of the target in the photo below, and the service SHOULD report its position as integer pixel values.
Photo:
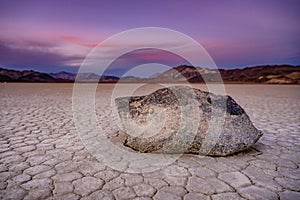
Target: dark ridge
(266, 74)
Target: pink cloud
(154, 55)
(75, 40)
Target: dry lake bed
(42, 156)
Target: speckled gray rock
(180, 119)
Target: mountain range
(7, 75)
(268, 74)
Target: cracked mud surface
(42, 157)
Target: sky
(53, 36)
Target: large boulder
(180, 119)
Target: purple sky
(52, 36)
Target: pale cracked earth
(41, 156)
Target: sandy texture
(41, 156)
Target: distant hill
(280, 74)
(268, 74)
(64, 75)
(184, 73)
(275, 74)
(7, 75)
(24, 76)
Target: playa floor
(42, 156)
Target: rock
(180, 119)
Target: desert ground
(42, 156)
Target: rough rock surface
(181, 119)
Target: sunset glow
(52, 36)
